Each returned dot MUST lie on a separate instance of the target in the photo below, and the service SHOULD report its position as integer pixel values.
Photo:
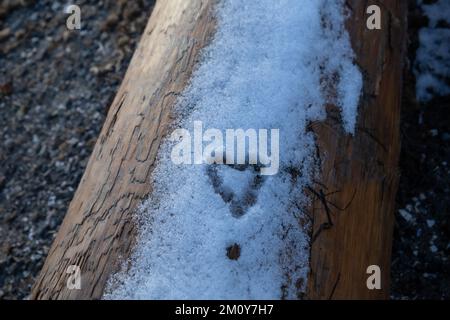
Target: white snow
(432, 66)
(264, 69)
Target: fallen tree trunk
(98, 231)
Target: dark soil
(421, 250)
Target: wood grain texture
(98, 230)
(360, 173)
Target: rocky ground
(56, 86)
(421, 252)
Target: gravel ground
(421, 251)
(56, 86)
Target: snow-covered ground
(432, 68)
(264, 69)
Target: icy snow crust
(265, 68)
(432, 67)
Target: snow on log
(306, 224)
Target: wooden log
(98, 232)
(98, 229)
(360, 173)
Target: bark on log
(360, 173)
(98, 232)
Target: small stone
(110, 22)
(406, 215)
(433, 249)
(234, 252)
(6, 88)
(434, 132)
(4, 33)
(430, 223)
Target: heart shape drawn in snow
(238, 185)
